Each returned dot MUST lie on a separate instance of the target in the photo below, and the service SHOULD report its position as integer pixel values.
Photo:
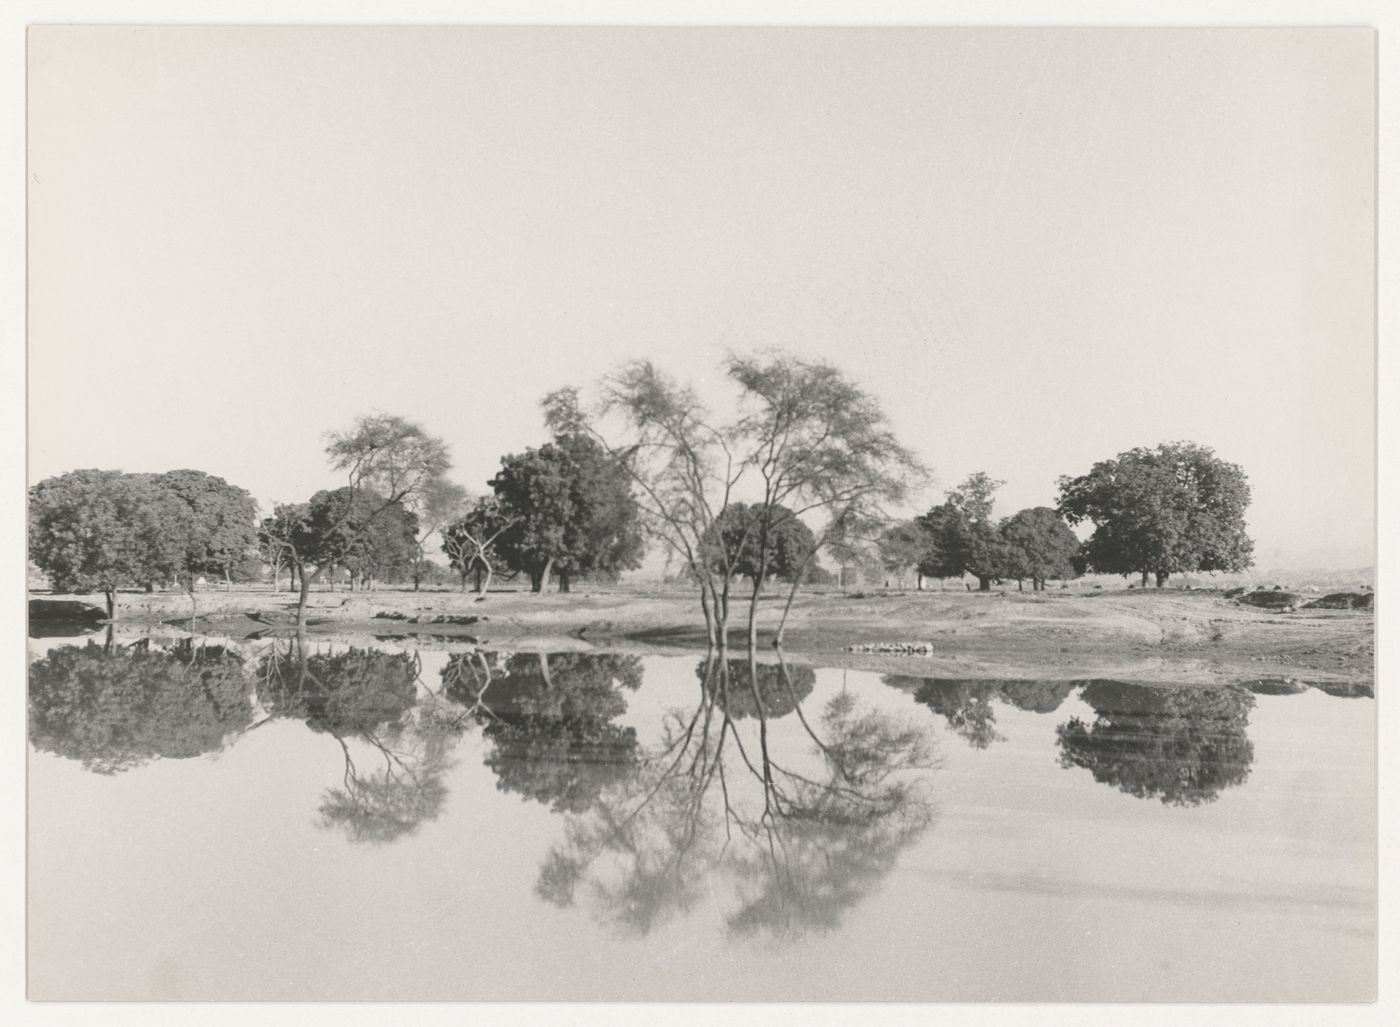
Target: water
(246, 820)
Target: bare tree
(808, 441)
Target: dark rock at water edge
(69, 610)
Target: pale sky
(1037, 247)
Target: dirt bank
(1132, 634)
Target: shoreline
(1182, 636)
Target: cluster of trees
(960, 536)
(565, 509)
(101, 531)
(1155, 512)
(807, 465)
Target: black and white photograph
(700, 513)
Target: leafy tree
(100, 531)
(733, 540)
(377, 540)
(221, 533)
(1181, 745)
(906, 546)
(1162, 511)
(943, 558)
(1038, 545)
(571, 510)
(382, 456)
(980, 546)
(115, 709)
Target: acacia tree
(1162, 511)
(1038, 545)
(381, 455)
(100, 531)
(571, 510)
(470, 541)
(436, 505)
(806, 441)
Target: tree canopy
(100, 531)
(570, 510)
(733, 541)
(1038, 544)
(1162, 511)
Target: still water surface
(230, 820)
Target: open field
(1173, 635)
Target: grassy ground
(1177, 635)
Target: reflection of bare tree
(797, 836)
(550, 719)
(1182, 745)
(116, 707)
(371, 697)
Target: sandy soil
(1173, 635)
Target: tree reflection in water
(1182, 745)
(799, 841)
(966, 705)
(370, 696)
(116, 707)
(550, 718)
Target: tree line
(806, 464)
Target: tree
(222, 531)
(383, 539)
(807, 441)
(571, 510)
(381, 455)
(1039, 545)
(737, 531)
(981, 549)
(101, 531)
(906, 546)
(942, 526)
(470, 541)
(437, 505)
(1162, 511)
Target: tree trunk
(1162, 578)
(563, 581)
(984, 584)
(464, 580)
(194, 604)
(302, 597)
(918, 582)
(111, 595)
(544, 574)
(228, 581)
(535, 579)
(1144, 578)
(1021, 585)
(753, 613)
(482, 585)
(150, 586)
